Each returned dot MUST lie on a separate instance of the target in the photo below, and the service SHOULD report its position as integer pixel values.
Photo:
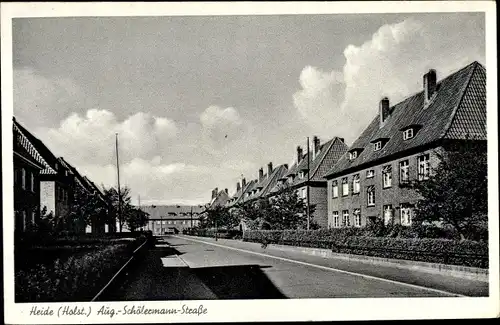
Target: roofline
(33, 164)
(426, 146)
(462, 95)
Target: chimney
(225, 190)
(238, 187)
(316, 144)
(216, 190)
(286, 166)
(261, 174)
(299, 154)
(269, 169)
(429, 85)
(384, 110)
(243, 183)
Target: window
(157, 222)
(370, 173)
(353, 155)
(377, 146)
(175, 222)
(388, 214)
(336, 221)
(406, 212)
(169, 222)
(345, 218)
(33, 182)
(355, 184)
(423, 167)
(357, 217)
(304, 193)
(404, 172)
(23, 178)
(387, 176)
(345, 186)
(335, 189)
(408, 134)
(371, 195)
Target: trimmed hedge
(73, 272)
(221, 233)
(455, 252)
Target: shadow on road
(148, 279)
(238, 282)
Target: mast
(119, 188)
(308, 178)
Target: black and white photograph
(200, 162)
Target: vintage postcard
(249, 161)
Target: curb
(463, 272)
(119, 271)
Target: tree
(254, 214)
(112, 197)
(135, 218)
(456, 194)
(86, 207)
(289, 211)
(219, 216)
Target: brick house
(306, 174)
(55, 181)
(82, 183)
(27, 166)
(401, 144)
(164, 218)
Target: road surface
(182, 268)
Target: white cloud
(162, 183)
(215, 116)
(391, 64)
(91, 138)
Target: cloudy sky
(199, 101)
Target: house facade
(306, 175)
(172, 218)
(27, 166)
(403, 144)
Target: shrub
(221, 233)
(355, 241)
(73, 272)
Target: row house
(163, 218)
(27, 166)
(257, 188)
(402, 144)
(83, 184)
(306, 175)
(42, 181)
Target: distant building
(401, 144)
(171, 218)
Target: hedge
(221, 233)
(71, 272)
(455, 252)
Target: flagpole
(119, 189)
(308, 178)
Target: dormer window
(379, 143)
(408, 134)
(377, 146)
(409, 131)
(354, 153)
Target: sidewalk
(440, 281)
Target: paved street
(182, 268)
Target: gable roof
(166, 212)
(220, 200)
(457, 110)
(78, 177)
(40, 153)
